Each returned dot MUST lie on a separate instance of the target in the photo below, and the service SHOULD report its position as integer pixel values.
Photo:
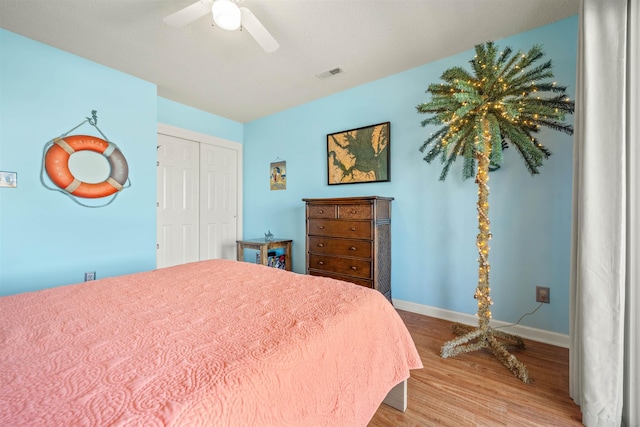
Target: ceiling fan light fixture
(226, 14)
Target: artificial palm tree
(498, 104)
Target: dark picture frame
(359, 155)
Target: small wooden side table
(264, 247)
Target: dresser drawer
(348, 266)
(322, 211)
(355, 211)
(362, 282)
(337, 228)
(345, 247)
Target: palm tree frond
(469, 165)
(456, 73)
(496, 141)
(557, 125)
(531, 153)
(504, 56)
(432, 154)
(435, 137)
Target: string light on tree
(480, 113)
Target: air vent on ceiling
(330, 73)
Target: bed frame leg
(397, 397)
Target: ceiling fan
(226, 15)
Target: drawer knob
(321, 262)
(321, 211)
(354, 212)
(353, 267)
(321, 245)
(352, 248)
(321, 227)
(353, 229)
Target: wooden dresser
(350, 239)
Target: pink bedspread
(216, 343)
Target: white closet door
(199, 196)
(218, 202)
(178, 201)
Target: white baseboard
(540, 335)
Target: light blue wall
(45, 238)
(183, 116)
(434, 224)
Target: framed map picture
(359, 155)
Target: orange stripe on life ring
(57, 166)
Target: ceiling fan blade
(189, 14)
(257, 31)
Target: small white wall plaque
(8, 179)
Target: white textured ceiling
(226, 73)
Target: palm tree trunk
(471, 338)
(482, 240)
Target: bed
(220, 343)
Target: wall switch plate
(543, 294)
(89, 275)
(8, 179)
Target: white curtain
(604, 308)
(631, 391)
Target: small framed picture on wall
(278, 175)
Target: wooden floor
(475, 389)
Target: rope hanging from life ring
(55, 161)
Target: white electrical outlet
(89, 275)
